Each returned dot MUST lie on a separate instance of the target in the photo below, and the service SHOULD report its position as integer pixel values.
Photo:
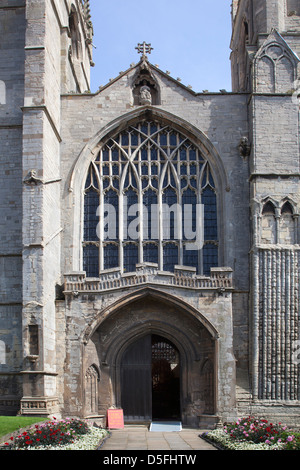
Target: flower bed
(65, 434)
(254, 434)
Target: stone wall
(12, 25)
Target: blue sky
(190, 39)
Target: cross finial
(144, 49)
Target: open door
(150, 380)
(165, 380)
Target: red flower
(11, 438)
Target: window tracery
(140, 203)
(92, 379)
(279, 223)
(287, 226)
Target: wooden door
(150, 380)
(136, 381)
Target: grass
(9, 424)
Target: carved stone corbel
(32, 179)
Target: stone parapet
(220, 279)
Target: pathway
(140, 438)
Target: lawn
(9, 424)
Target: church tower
(265, 63)
(253, 21)
(46, 50)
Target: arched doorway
(129, 345)
(150, 380)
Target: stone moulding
(220, 279)
(39, 405)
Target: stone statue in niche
(145, 95)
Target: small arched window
(293, 7)
(92, 379)
(75, 34)
(268, 232)
(148, 194)
(287, 225)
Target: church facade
(149, 242)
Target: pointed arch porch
(147, 312)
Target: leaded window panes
(91, 260)
(111, 255)
(131, 257)
(150, 252)
(140, 203)
(170, 256)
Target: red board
(115, 419)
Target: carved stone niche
(145, 89)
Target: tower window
(75, 34)
(33, 331)
(268, 234)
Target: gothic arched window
(75, 34)
(147, 195)
(92, 379)
(287, 232)
(268, 234)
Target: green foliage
(255, 434)
(255, 430)
(54, 433)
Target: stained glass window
(210, 257)
(148, 181)
(91, 204)
(130, 257)
(111, 256)
(150, 253)
(170, 255)
(91, 260)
